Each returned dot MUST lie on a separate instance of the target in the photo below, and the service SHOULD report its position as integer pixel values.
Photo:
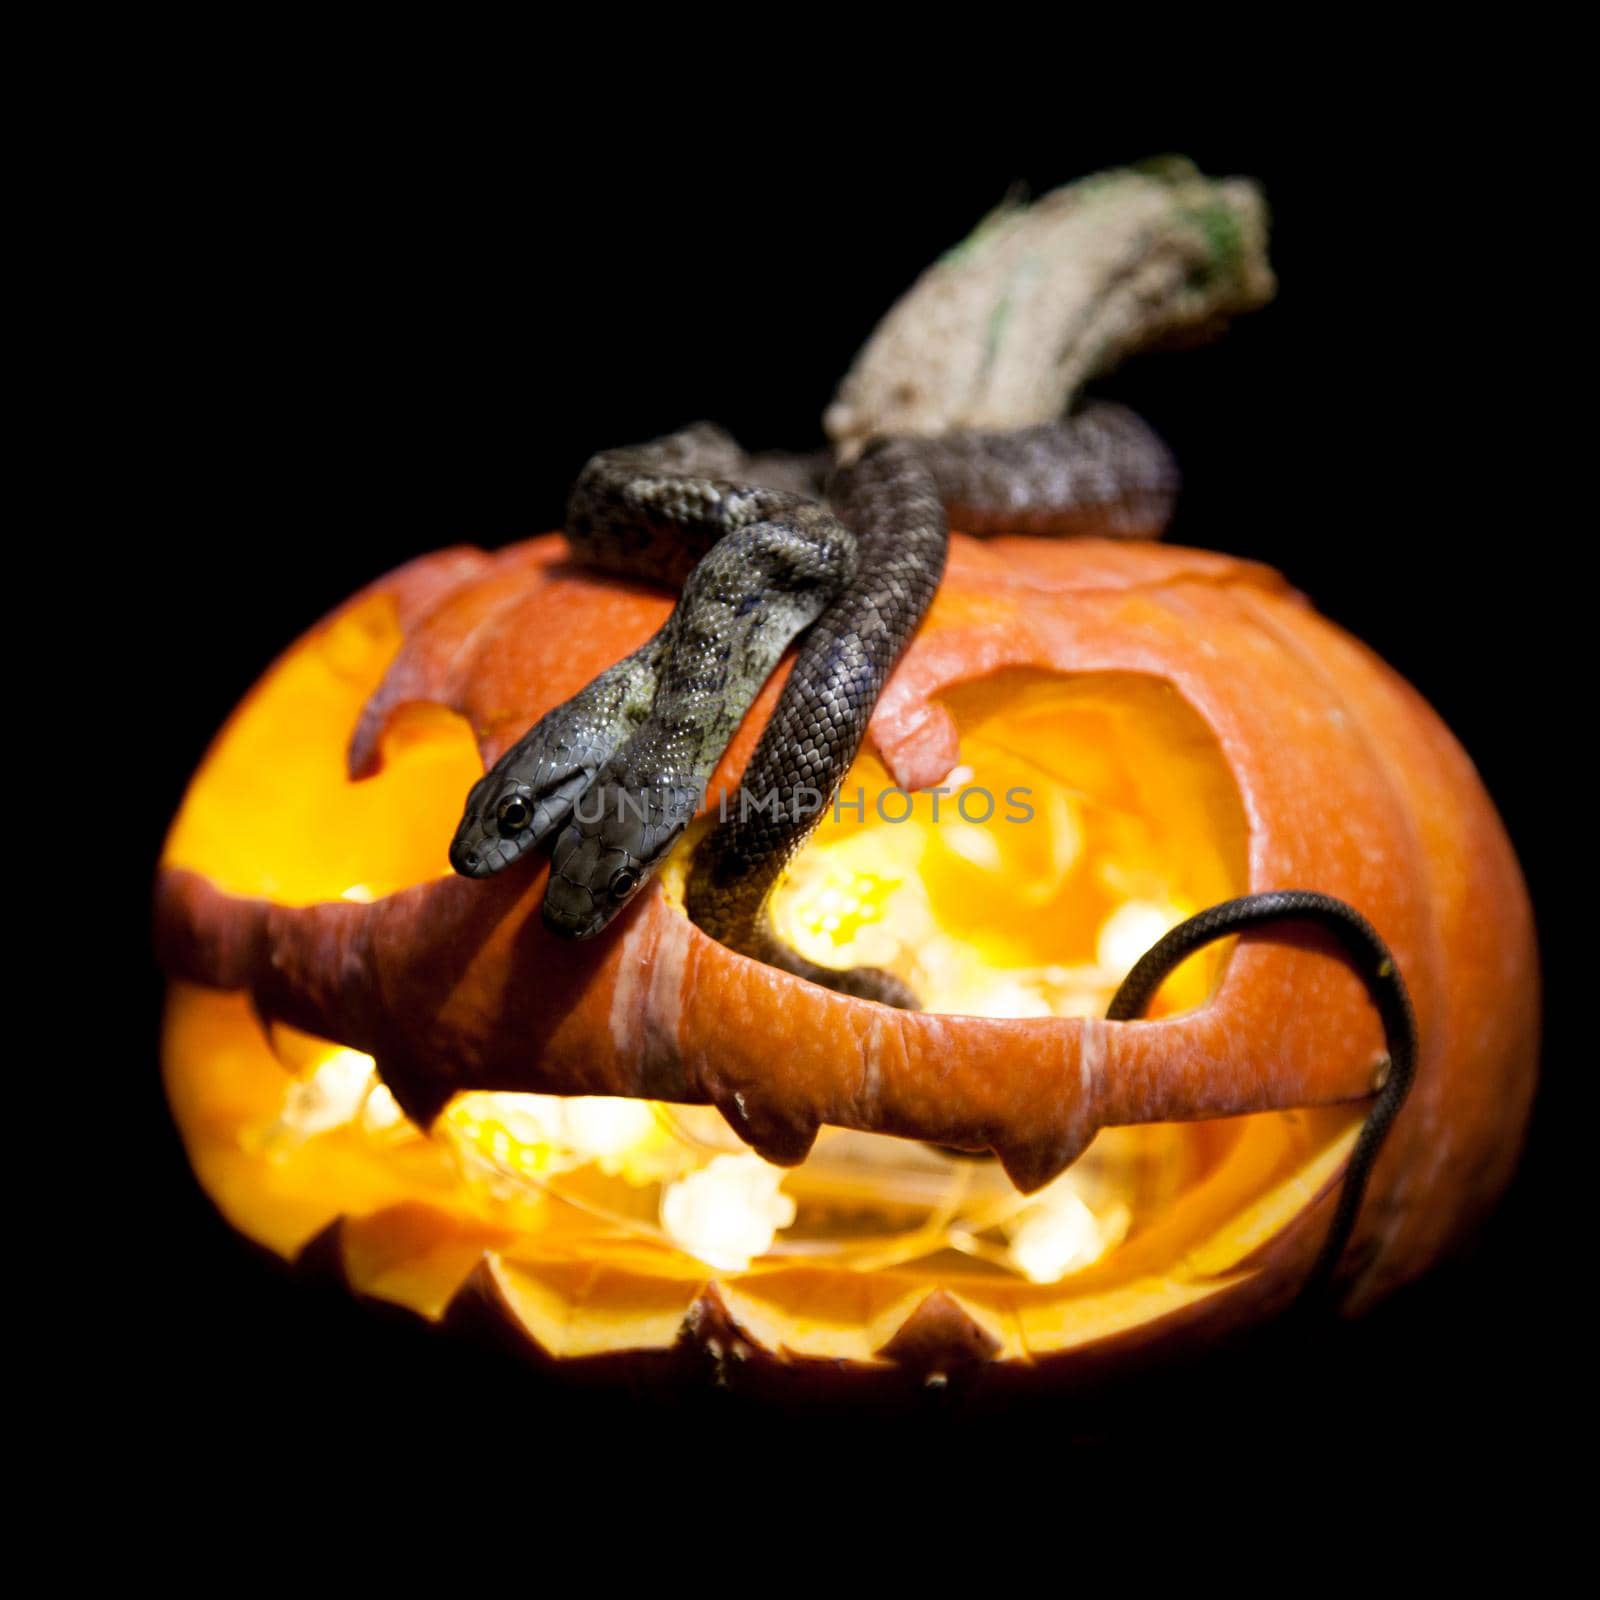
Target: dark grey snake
(617, 772)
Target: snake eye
(623, 881)
(513, 814)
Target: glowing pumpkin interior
(604, 1218)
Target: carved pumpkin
(1185, 727)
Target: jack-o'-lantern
(646, 1147)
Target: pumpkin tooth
(778, 1132)
(939, 1336)
(1031, 1165)
(710, 1327)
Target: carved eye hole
(513, 814)
(623, 882)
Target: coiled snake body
(617, 772)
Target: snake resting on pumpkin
(961, 408)
(617, 772)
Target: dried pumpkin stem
(1007, 327)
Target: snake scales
(617, 772)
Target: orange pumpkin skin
(1349, 783)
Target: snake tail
(1380, 973)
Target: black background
(349, 340)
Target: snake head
(522, 799)
(618, 837)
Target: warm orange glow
(1088, 816)
(272, 813)
(1134, 823)
(1148, 1220)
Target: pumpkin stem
(1005, 329)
